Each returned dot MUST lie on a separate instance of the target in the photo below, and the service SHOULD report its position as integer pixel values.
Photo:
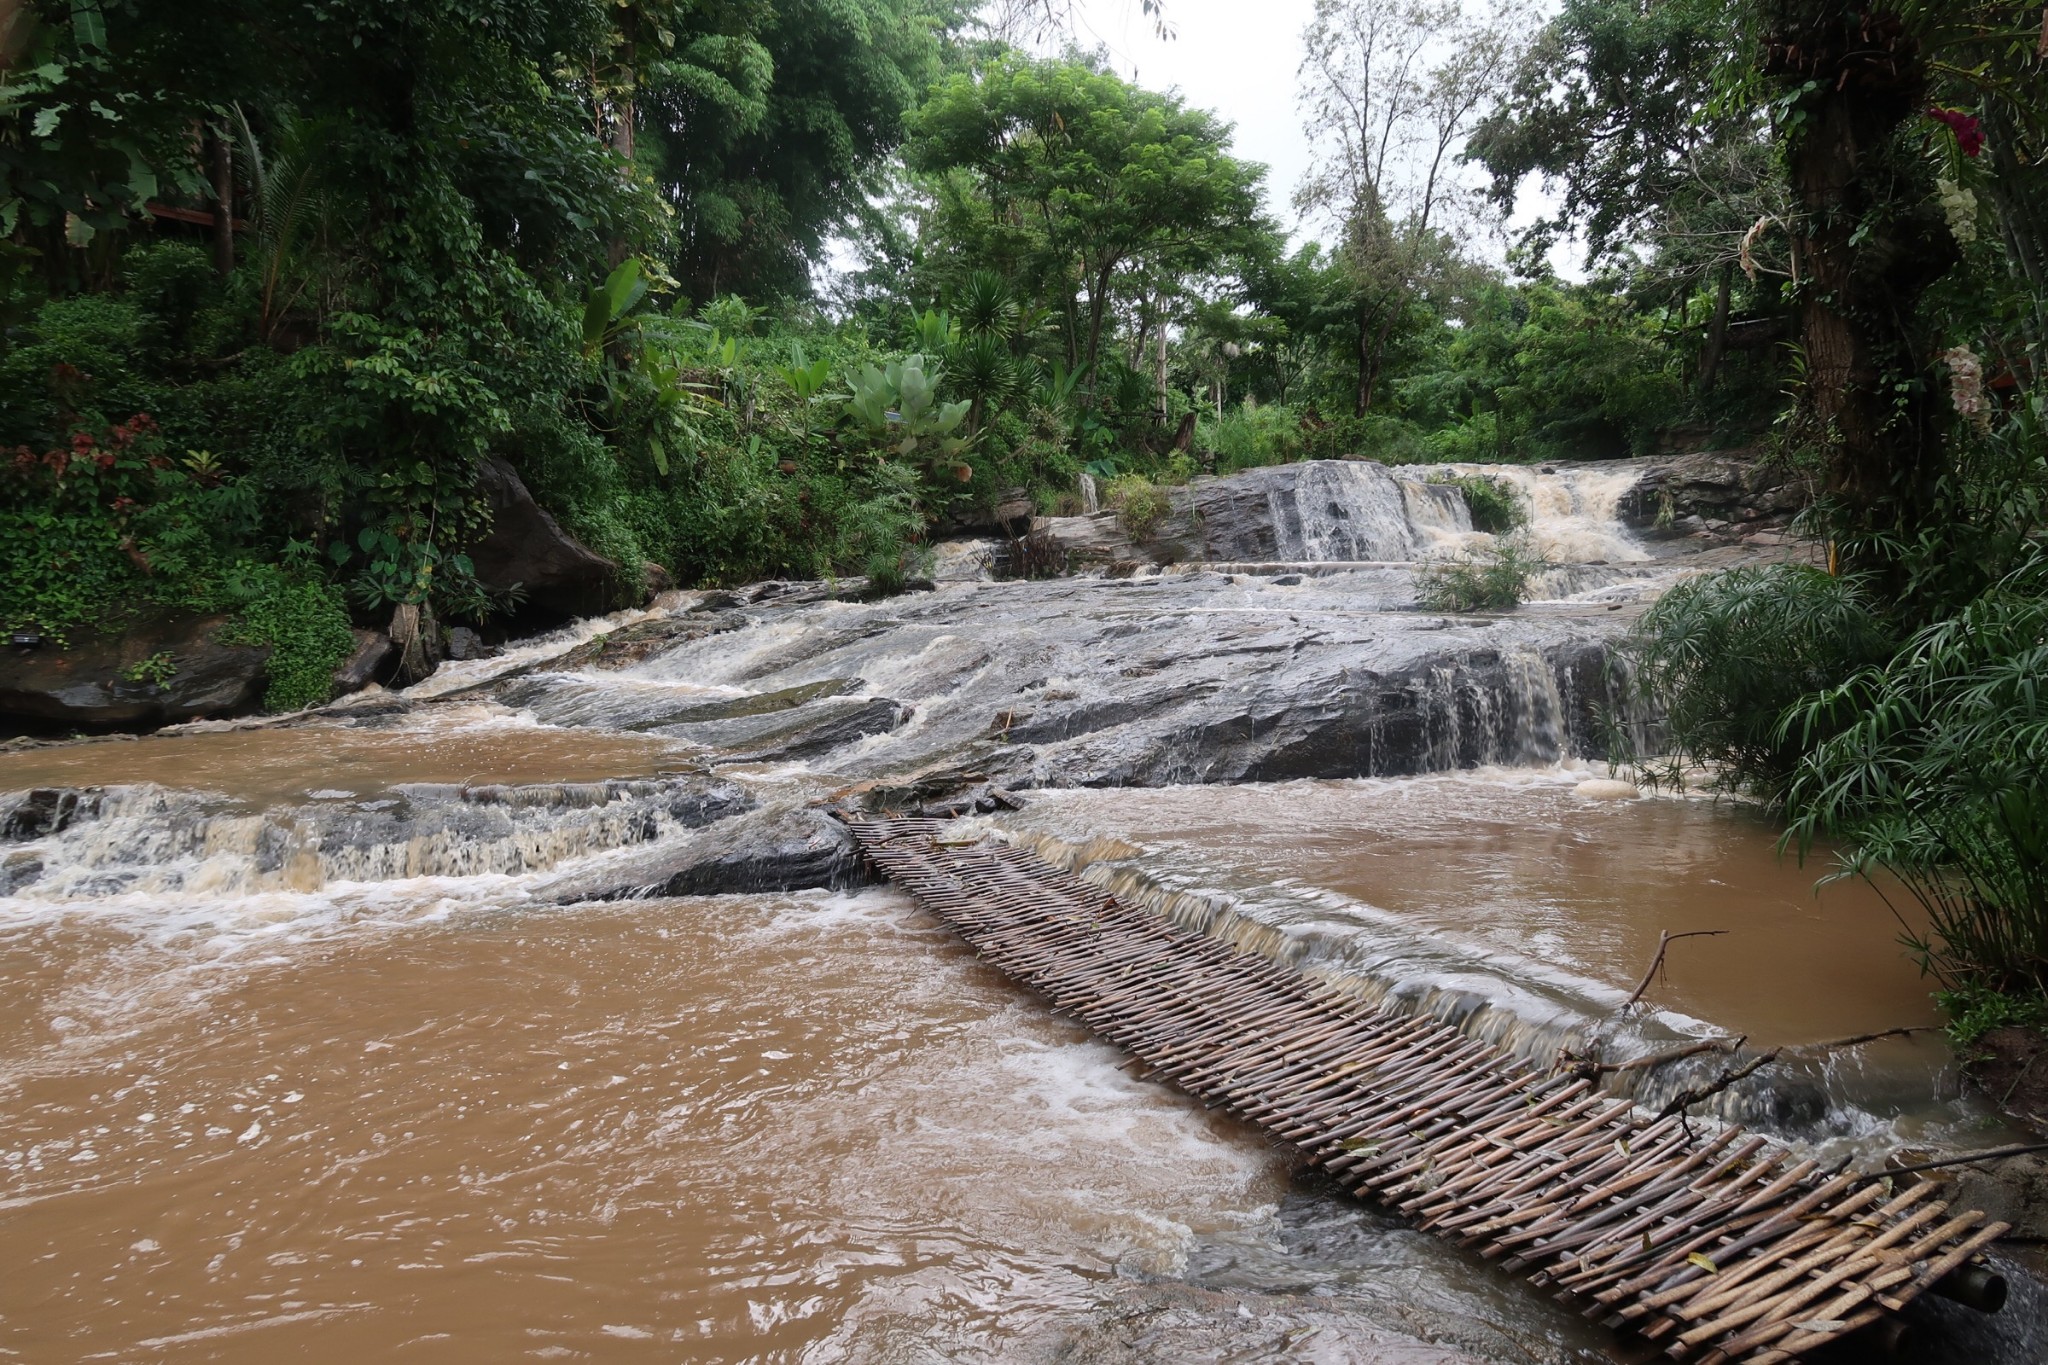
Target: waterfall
(1357, 510)
(1336, 513)
(151, 840)
(1573, 509)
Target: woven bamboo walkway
(1718, 1246)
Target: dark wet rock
(753, 703)
(18, 869)
(787, 851)
(47, 811)
(816, 730)
(159, 670)
(1938, 1331)
(2011, 1189)
(783, 848)
(370, 661)
(559, 576)
(1096, 541)
(465, 644)
(1716, 493)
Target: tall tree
(1613, 109)
(765, 125)
(1848, 87)
(1095, 177)
(1389, 90)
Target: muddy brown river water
(1522, 869)
(259, 768)
(301, 1059)
(806, 1127)
(435, 1120)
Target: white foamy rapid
(1573, 509)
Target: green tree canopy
(1069, 176)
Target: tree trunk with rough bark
(1868, 241)
(1717, 331)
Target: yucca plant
(985, 305)
(983, 373)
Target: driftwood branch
(1856, 1040)
(1664, 942)
(2021, 1150)
(1589, 1069)
(1686, 1099)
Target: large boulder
(158, 670)
(1729, 492)
(373, 659)
(560, 577)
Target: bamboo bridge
(1715, 1245)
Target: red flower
(105, 460)
(1969, 132)
(123, 504)
(81, 441)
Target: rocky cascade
(1297, 652)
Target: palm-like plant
(1936, 768)
(985, 305)
(983, 373)
(293, 203)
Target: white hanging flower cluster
(1961, 207)
(1966, 386)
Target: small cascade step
(1716, 1245)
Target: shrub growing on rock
(1495, 578)
(1495, 504)
(1139, 504)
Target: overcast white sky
(1239, 58)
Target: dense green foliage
(1495, 504)
(1891, 700)
(524, 229)
(1726, 655)
(1495, 578)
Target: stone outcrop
(373, 660)
(47, 811)
(160, 670)
(160, 840)
(1728, 493)
(559, 576)
(1201, 677)
(768, 850)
